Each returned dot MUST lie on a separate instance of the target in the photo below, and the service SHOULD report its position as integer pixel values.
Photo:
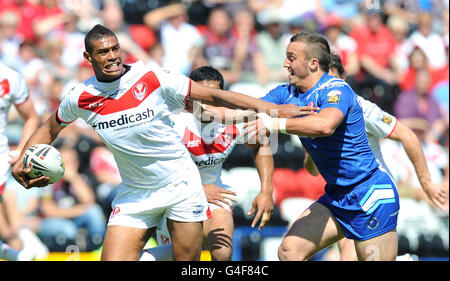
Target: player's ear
(87, 58)
(314, 64)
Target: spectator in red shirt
(376, 50)
(418, 60)
(27, 11)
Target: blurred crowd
(395, 54)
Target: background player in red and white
(129, 108)
(381, 125)
(13, 91)
(210, 143)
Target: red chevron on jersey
(197, 146)
(132, 98)
(4, 87)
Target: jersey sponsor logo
(124, 119)
(140, 90)
(193, 143)
(210, 162)
(334, 96)
(95, 104)
(133, 97)
(386, 119)
(4, 87)
(219, 145)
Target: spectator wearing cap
(342, 44)
(379, 73)
(272, 43)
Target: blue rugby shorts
(366, 210)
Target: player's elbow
(325, 129)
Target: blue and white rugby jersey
(344, 158)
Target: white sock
(33, 243)
(160, 253)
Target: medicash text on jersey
(124, 119)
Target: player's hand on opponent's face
(20, 173)
(215, 194)
(292, 111)
(263, 202)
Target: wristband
(282, 125)
(267, 121)
(273, 125)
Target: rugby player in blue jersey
(360, 200)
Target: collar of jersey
(324, 78)
(113, 84)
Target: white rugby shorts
(184, 201)
(162, 232)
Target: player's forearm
(413, 149)
(263, 158)
(321, 124)
(310, 126)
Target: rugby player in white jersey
(381, 125)
(13, 91)
(210, 144)
(129, 107)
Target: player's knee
(287, 252)
(222, 254)
(186, 254)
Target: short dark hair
(335, 62)
(97, 32)
(317, 46)
(207, 73)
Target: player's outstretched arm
(234, 100)
(413, 148)
(44, 134)
(321, 124)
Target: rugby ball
(44, 160)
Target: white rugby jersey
(379, 125)
(13, 90)
(131, 115)
(209, 144)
